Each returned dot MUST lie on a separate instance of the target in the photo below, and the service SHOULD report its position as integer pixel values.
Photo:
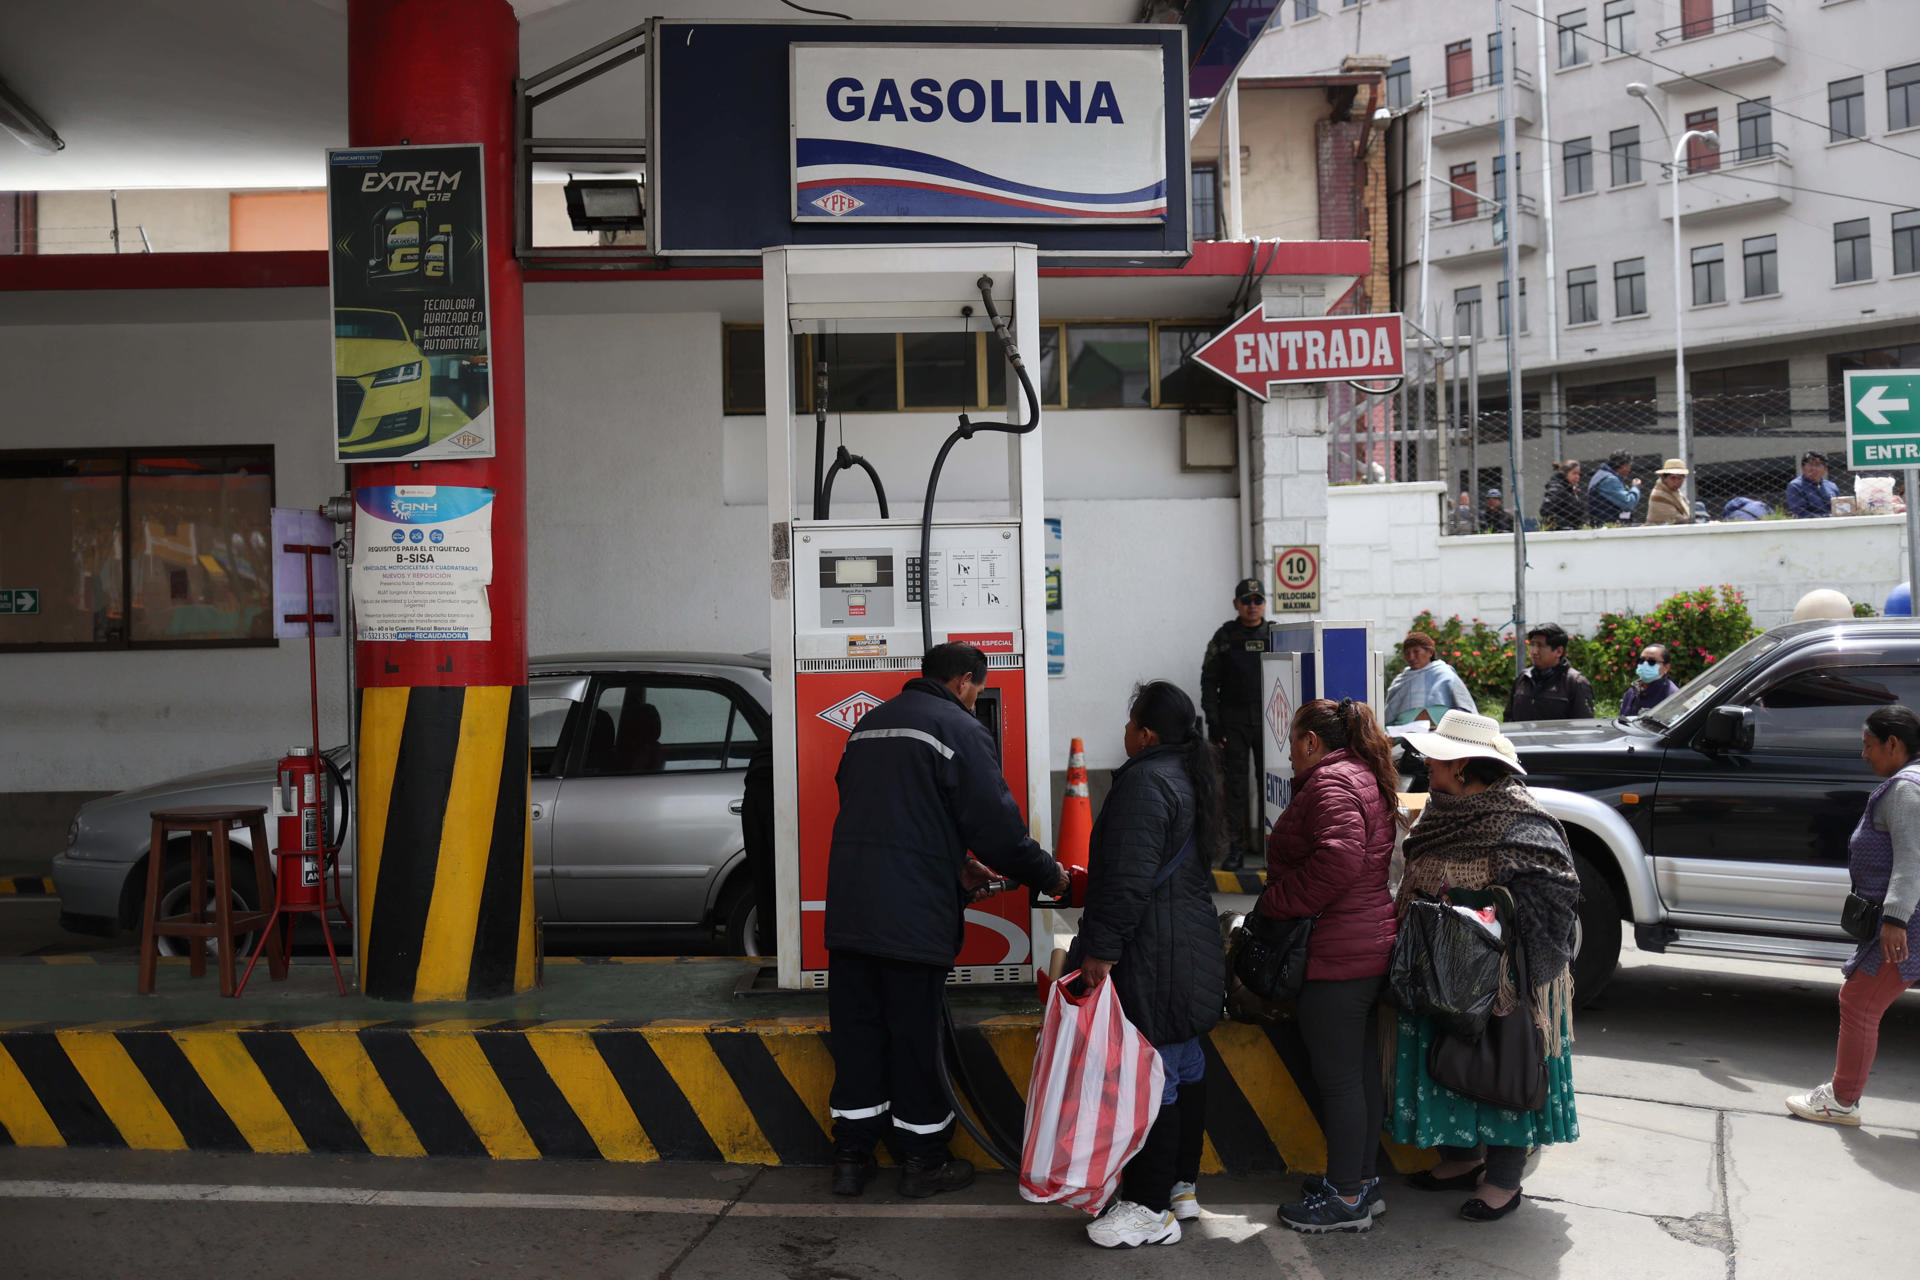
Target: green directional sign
(19, 600)
(1883, 418)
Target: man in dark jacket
(1550, 688)
(920, 785)
(1230, 700)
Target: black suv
(1718, 821)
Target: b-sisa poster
(423, 559)
(408, 264)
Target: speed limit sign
(1296, 579)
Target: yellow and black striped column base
(446, 844)
(750, 1092)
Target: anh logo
(838, 202)
(847, 712)
(467, 440)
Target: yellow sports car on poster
(382, 381)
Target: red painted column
(444, 873)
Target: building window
(1466, 201)
(1573, 37)
(1903, 96)
(1399, 83)
(1459, 68)
(1906, 242)
(1600, 406)
(1618, 17)
(1466, 312)
(1206, 202)
(1847, 109)
(1048, 385)
(1502, 318)
(1496, 62)
(1624, 146)
(1109, 366)
(1756, 129)
(125, 548)
(1745, 400)
(1900, 357)
(1702, 155)
(1762, 259)
(1583, 295)
(1303, 9)
(1630, 287)
(1852, 250)
(1748, 10)
(1499, 180)
(1576, 162)
(1184, 384)
(1709, 275)
(1696, 18)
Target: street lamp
(1638, 90)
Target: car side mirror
(1728, 728)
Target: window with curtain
(1573, 37)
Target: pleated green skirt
(1426, 1114)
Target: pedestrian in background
(1653, 682)
(1481, 829)
(1550, 688)
(1810, 494)
(1149, 924)
(1667, 504)
(1328, 858)
(920, 786)
(1883, 859)
(1610, 499)
(1745, 509)
(1428, 687)
(1561, 506)
(1494, 517)
(1230, 697)
(1460, 518)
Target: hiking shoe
(1372, 1194)
(1327, 1212)
(852, 1170)
(1128, 1225)
(1185, 1201)
(1819, 1104)
(923, 1178)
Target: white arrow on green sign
(1883, 418)
(19, 600)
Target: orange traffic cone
(1076, 813)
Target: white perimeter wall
(1387, 561)
(645, 527)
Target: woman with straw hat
(1481, 830)
(1667, 505)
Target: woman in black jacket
(1561, 504)
(1149, 923)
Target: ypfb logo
(838, 203)
(848, 711)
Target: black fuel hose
(844, 461)
(965, 431)
(819, 436)
(1000, 1143)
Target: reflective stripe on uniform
(920, 734)
(898, 1123)
(859, 1113)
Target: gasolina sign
(1059, 134)
(1255, 351)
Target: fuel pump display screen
(849, 572)
(856, 589)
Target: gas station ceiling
(249, 93)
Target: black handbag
(1505, 1065)
(1269, 956)
(1859, 918)
(1445, 966)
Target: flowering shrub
(1699, 627)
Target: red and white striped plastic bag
(1095, 1090)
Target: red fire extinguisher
(302, 801)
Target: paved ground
(1687, 1167)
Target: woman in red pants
(1884, 860)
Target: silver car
(638, 764)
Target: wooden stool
(206, 827)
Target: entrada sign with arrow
(1255, 351)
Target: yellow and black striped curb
(747, 1092)
(26, 886)
(446, 843)
(1238, 881)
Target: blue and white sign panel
(423, 559)
(1057, 134)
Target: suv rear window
(1715, 677)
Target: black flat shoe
(1425, 1181)
(1478, 1210)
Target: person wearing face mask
(1652, 684)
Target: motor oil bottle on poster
(407, 261)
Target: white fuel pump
(856, 601)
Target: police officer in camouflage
(1230, 699)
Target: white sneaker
(1128, 1225)
(1819, 1104)
(1186, 1202)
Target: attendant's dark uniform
(920, 786)
(1230, 700)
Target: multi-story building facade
(1799, 250)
